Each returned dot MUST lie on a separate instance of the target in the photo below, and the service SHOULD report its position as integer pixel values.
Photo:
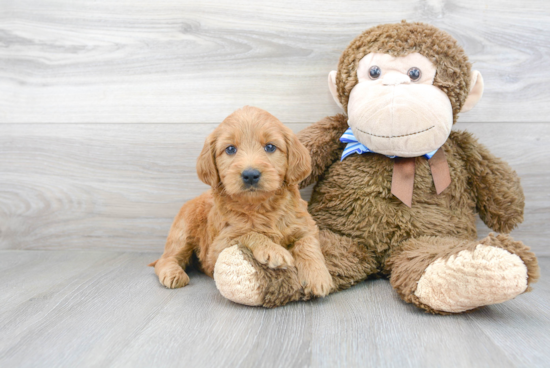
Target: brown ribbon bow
(402, 182)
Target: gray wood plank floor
(107, 309)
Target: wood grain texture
(514, 326)
(186, 61)
(107, 309)
(118, 187)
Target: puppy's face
(252, 153)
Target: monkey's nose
(251, 176)
(395, 78)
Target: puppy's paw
(274, 256)
(173, 277)
(315, 279)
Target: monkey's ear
(332, 88)
(206, 163)
(476, 91)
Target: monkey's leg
(348, 262)
(242, 279)
(449, 275)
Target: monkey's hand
(499, 196)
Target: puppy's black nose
(251, 176)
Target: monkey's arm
(322, 140)
(500, 199)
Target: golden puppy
(253, 164)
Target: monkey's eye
(231, 150)
(414, 73)
(270, 148)
(374, 72)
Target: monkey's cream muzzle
(396, 117)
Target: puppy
(253, 164)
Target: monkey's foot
(242, 279)
(450, 275)
(236, 278)
(471, 279)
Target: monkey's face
(404, 106)
(395, 109)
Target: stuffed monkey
(396, 190)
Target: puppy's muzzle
(251, 177)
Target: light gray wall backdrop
(104, 105)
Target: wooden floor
(107, 309)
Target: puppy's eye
(374, 72)
(270, 148)
(231, 150)
(414, 73)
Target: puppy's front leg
(266, 251)
(177, 253)
(310, 263)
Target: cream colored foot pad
(471, 279)
(236, 278)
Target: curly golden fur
(269, 218)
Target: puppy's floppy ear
(299, 160)
(206, 163)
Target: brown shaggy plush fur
(269, 218)
(364, 228)
(353, 198)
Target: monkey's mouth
(396, 136)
